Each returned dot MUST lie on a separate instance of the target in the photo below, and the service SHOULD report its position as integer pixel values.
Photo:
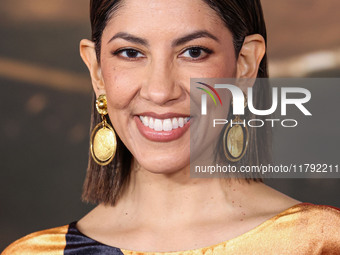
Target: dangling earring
(103, 138)
(235, 138)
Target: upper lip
(167, 115)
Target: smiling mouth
(164, 124)
(162, 127)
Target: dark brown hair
(104, 184)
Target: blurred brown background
(45, 102)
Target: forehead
(164, 16)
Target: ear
(250, 56)
(88, 54)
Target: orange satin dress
(302, 229)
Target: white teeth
(164, 125)
(158, 125)
(151, 123)
(180, 122)
(174, 123)
(167, 125)
(144, 120)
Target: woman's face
(150, 49)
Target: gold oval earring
(236, 138)
(103, 141)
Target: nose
(160, 85)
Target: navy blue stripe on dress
(79, 244)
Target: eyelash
(119, 51)
(204, 49)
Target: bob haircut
(104, 184)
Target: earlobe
(250, 56)
(88, 54)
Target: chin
(169, 166)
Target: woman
(142, 56)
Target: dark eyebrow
(130, 38)
(177, 42)
(192, 36)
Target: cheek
(220, 70)
(120, 85)
(224, 65)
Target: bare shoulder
(52, 240)
(265, 201)
(276, 202)
(92, 220)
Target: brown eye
(195, 53)
(129, 53)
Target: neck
(150, 196)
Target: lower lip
(161, 136)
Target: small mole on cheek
(234, 189)
(240, 206)
(211, 197)
(126, 213)
(233, 201)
